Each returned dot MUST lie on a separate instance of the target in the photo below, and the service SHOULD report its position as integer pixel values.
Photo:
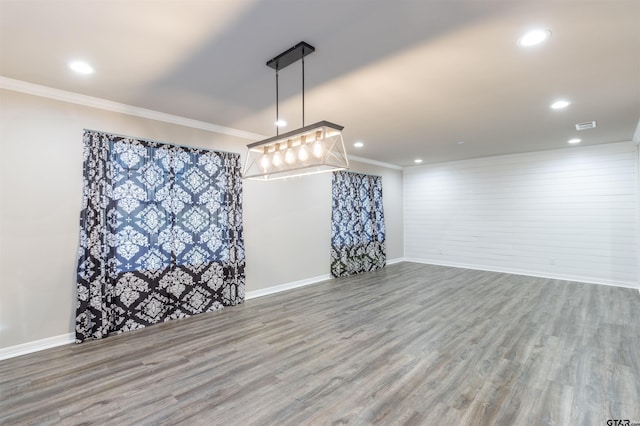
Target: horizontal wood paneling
(566, 213)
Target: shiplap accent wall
(569, 213)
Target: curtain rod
(157, 141)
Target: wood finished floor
(411, 344)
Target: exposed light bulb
(277, 157)
(318, 149)
(289, 156)
(303, 153)
(264, 160)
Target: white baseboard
(587, 280)
(64, 339)
(287, 286)
(35, 346)
(295, 284)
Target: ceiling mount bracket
(290, 56)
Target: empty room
(305, 212)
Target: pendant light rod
(303, 91)
(286, 58)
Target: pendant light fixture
(315, 148)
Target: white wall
(287, 215)
(287, 223)
(569, 213)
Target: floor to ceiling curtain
(357, 224)
(161, 234)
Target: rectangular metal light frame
(334, 156)
(297, 132)
(311, 149)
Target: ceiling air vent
(586, 125)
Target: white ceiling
(410, 78)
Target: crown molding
(90, 101)
(374, 162)
(93, 102)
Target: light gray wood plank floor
(410, 344)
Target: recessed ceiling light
(460, 142)
(280, 123)
(534, 37)
(417, 160)
(358, 144)
(560, 104)
(574, 141)
(81, 67)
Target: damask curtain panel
(161, 234)
(357, 224)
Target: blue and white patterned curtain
(357, 224)
(160, 234)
